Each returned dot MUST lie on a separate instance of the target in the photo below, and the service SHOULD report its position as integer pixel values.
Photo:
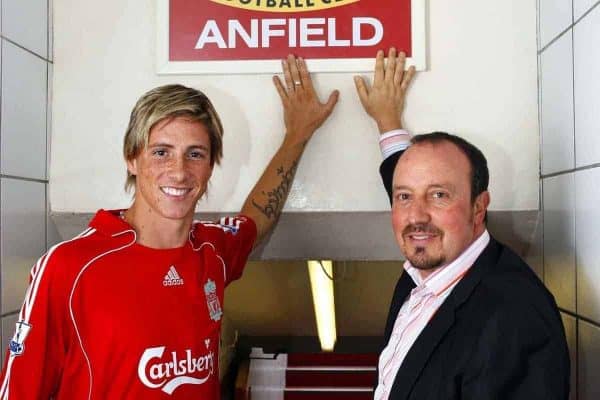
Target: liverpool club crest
(212, 300)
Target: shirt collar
(446, 276)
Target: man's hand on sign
(384, 100)
(303, 111)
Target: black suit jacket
(497, 336)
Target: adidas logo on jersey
(172, 278)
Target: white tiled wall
(556, 106)
(586, 36)
(24, 122)
(589, 361)
(580, 7)
(587, 183)
(554, 17)
(24, 221)
(24, 89)
(559, 238)
(26, 22)
(570, 151)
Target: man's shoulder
(512, 274)
(510, 288)
(73, 254)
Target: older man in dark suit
(468, 319)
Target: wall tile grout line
(580, 317)
(540, 146)
(540, 51)
(48, 15)
(574, 149)
(538, 24)
(25, 49)
(576, 366)
(585, 13)
(48, 127)
(1, 231)
(560, 35)
(568, 171)
(573, 91)
(22, 178)
(10, 314)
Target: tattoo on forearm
(276, 197)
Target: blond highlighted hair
(170, 101)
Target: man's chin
(425, 262)
(178, 214)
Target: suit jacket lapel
(442, 321)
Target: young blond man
(132, 307)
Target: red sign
(251, 36)
(219, 30)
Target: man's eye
(159, 152)
(439, 195)
(402, 196)
(197, 155)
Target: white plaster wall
(481, 84)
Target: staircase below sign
(316, 376)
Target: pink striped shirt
(419, 308)
(393, 141)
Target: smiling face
(433, 216)
(172, 171)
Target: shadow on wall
(559, 255)
(517, 229)
(237, 147)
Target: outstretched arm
(303, 114)
(384, 102)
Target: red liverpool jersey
(107, 318)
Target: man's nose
(418, 213)
(177, 169)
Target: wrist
(295, 141)
(393, 141)
(388, 124)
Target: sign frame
(240, 67)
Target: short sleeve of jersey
(234, 244)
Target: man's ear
(482, 201)
(132, 166)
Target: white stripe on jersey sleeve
(30, 296)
